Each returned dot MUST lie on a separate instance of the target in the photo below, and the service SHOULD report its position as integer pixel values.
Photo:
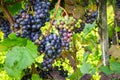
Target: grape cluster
(5, 27)
(118, 3)
(91, 17)
(65, 29)
(29, 21)
(65, 35)
(51, 46)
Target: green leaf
(85, 57)
(75, 75)
(85, 68)
(15, 8)
(105, 69)
(117, 29)
(12, 36)
(19, 58)
(11, 42)
(88, 28)
(74, 38)
(36, 77)
(115, 67)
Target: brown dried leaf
(114, 51)
(70, 2)
(78, 12)
(69, 8)
(56, 75)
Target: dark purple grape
(51, 46)
(5, 26)
(32, 23)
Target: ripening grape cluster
(51, 46)
(4, 26)
(65, 35)
(91, 17)
(29, 21)
(118, 3)
(65, 29)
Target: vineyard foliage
(59, 40)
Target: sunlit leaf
(11, 42)
(88, 28)
(19, 58)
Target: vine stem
(103, 31)
(64, 10)
(53, 18)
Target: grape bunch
(5, 26)
(118, 4)
(51, 46)
(29, 21)
(65, 35)
(65, 29)
(91, 17)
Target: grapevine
(57, 39)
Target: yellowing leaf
(114, 51)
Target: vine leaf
(115, 67)
(70, 2)
(85, 57)
(69, 8)
(20, 58)
(105, 69)
(85, 68)
(88, 28)
(78, 12)
(15, 8)
(12, 41)
(114, 51)
(75, 76)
